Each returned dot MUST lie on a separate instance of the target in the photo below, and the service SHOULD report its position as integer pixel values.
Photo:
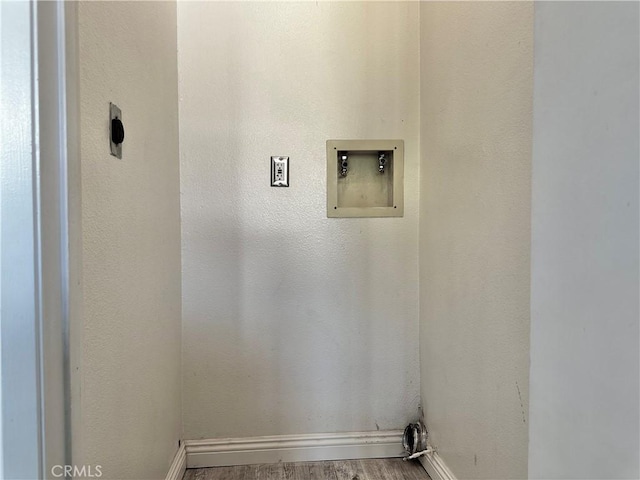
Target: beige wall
(130, 359)
(584, 279)
(476, 100)
(295, 323)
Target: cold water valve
(382, 162)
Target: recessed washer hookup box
(365, 178)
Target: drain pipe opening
(414, 440)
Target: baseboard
(293, 448)
(435, 467)
(179, 464)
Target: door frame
(40, 237)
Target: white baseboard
(179, 464)
(293, 448)
(435, 467)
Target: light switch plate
(279, 171)
(114, 112)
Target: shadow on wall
(272, 357)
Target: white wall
(294, 323)
(584, 287)
(130, 366)
(476, 96)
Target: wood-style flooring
(370, 469)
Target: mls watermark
(77, 471)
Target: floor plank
(228, 473)
(368, 469)
(294, 471)
(350, 470)
(378, 470)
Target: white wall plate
(279, 171)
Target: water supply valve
(382, 162)
(344, 164)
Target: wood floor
(371, 469)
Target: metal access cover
(114, 113)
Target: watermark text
(77, 471)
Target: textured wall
(476, 96)
(294, 323)
(130, 386)
(584, 290)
